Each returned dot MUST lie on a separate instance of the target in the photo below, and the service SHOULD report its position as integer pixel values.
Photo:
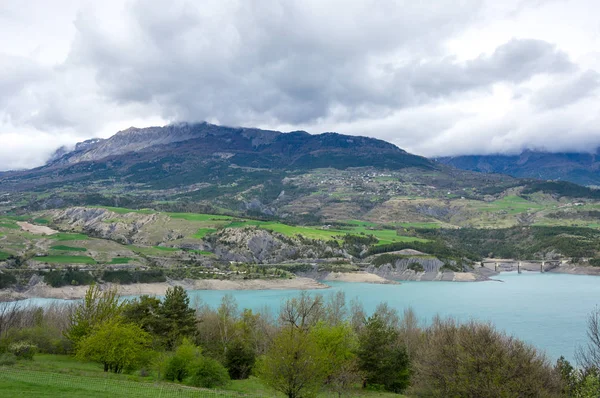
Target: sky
(437, 77)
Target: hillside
(202, 201)
(298, 177)
(579, 168)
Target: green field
(69, 248)
(209, 223)
(166, 249)
(122, 210)
(4, 255)
(511, 205)
(120, 260)
(9, 225)
(65, 236)
(65, 259)
(202, 232)
(199, 217)
(63, 376)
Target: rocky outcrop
(123, 228)
(424, 269)
(254, 245)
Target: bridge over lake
(503, 265)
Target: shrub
(208, 373)
(7, 359)
(7, 280)
(594, 262)
(179, 366)
(47, 339)
(475, 360)
(22, 350)
(240, 359)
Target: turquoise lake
(548, 310)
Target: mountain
(296, 176)
(179, 155)
(579, 168)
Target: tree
(115, 344)
(293, 364)
(97, 307)
(240, 359)
(302, 312)
(588, 357)
(382, 358)
(177, 319)
(475, 360)
(145, 312)
(338, 345)
(178, 365)
(227, 315)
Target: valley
(188, 203)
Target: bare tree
(9, 315)
(335, 309)
(588, 357)
(302, 312)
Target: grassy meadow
(61, 376)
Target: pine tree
(176, 318)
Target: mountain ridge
(577, 167)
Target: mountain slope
(295, 176)
(179, 155)
(580, 168)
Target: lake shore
(42, 290)
(358, 277)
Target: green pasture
(58, 376)
(68, 248)
(67, 236)
(65, 259)
(510, 204)
(120, 260)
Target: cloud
(436, 78)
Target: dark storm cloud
(285, 62)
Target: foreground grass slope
(60, 376)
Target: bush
(7, 280)
(22, 350)
(594, 262)
(47, 339)
(179, 365)
(475, 360)
(240, 359)
(7, 359)
(70, 276)
(208, 373)
(176, 369)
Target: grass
(42, 221)
(202, 232)
(4, 255)
(66, 236)
(69, 248)
(166, 249)
(9, 225)
(64, 376)
(65, 259)
(120, 260)
(202, 252)
(122, 210)
(199, 217)
(511, 204)
(424, 225)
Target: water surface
(548, 310)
